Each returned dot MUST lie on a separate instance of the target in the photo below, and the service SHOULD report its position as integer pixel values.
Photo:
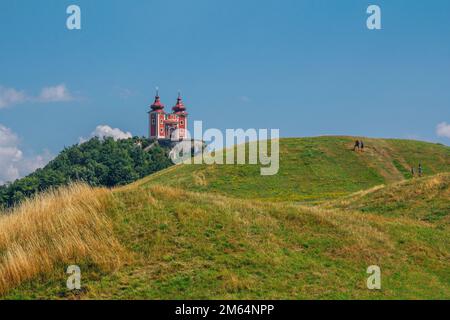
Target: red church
(168, 126)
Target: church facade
(168, 126)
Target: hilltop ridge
(313, 169)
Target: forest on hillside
(98, 162)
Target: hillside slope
(203, 246)
(425, 199)
(173, 236)
(313, 169)
(62, 227)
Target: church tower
(165, 126)
(156, 119)
(180, 111)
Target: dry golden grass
(64, 226)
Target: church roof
(157, 105)
(179, 107)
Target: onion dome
(179, 107)
(157, 105)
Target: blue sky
(307, 67)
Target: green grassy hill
(184, 245)
(426, 199)
(313, 169)
(165, 242)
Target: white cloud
(7, 137)
(10, 96)
(55, 94)
(9, 158)
(104, 131)
(13, 163)
(443, 130)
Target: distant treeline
(97, 162)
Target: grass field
(426, 199)
(312, 169)
(198, 232)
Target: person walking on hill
(420, 170)
(361, 145)
(356, 145)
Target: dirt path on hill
(378, 155)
